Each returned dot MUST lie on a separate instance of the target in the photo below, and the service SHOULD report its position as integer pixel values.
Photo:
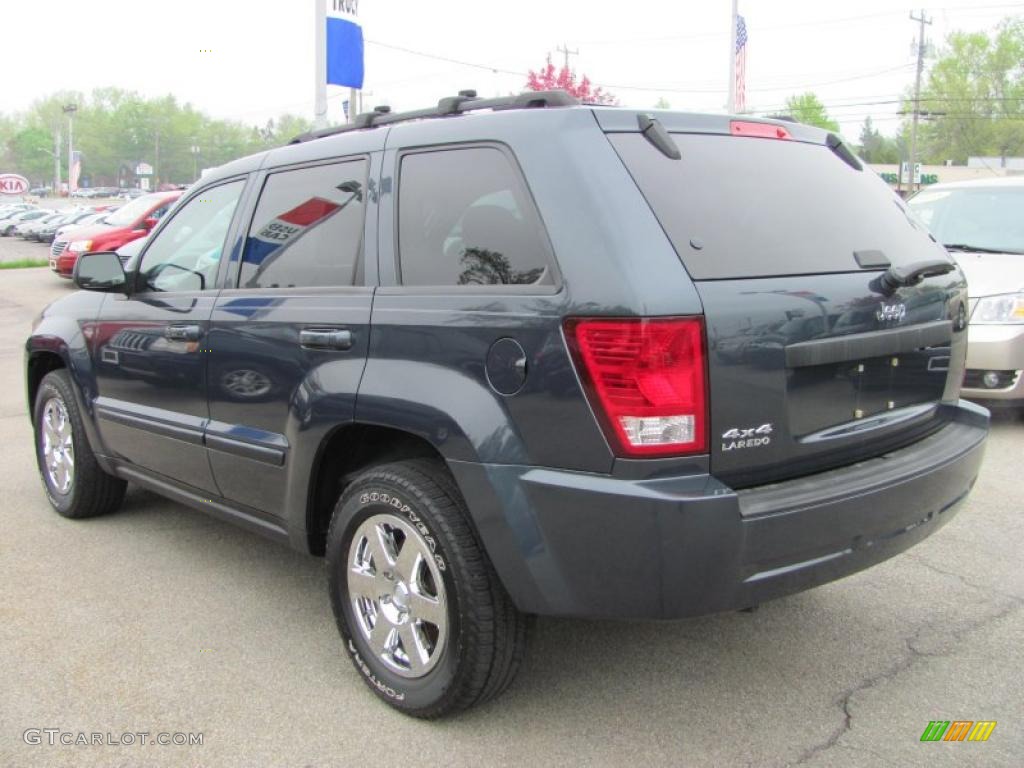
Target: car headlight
(1007, 308)
(80, 246)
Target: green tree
(8, 127)
(807, 108)
(973, 98)
(115, 130)
(876, 148)
(31, 153)
(662, 103)
(284, 128)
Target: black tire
(486, 634)
(92, 491)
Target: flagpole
(730, 106)
(320, 58)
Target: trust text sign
(344, 44)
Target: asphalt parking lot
(159, 619)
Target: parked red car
(130, 222)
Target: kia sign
(13, 184)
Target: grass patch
(24, 263)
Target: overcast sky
(253, 60)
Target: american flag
(75, 172)
(741, 64)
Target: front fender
(65, 330)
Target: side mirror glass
(101, 271)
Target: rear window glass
(744, 207)
(308, 228)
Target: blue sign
(344, 44)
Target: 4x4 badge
(750, 437)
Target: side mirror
(100, 271)
(149, 222)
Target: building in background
(936, 174)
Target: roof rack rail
(466, 101)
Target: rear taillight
(758, 130)
(646, 379)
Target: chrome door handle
(325, 338)
(182, 332)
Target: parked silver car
(982, 224)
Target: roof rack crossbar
(466, 101)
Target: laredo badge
(752, 437)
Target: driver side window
(185, 254)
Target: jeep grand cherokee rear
(559, 360)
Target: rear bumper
(575, 544)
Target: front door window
(185, 254)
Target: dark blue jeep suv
(508, 357)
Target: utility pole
(320, 62)
(565, 50)
(69, 110)
(56, 162)
(921, 48)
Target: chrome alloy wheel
(397, 595)
(245, 383)
(57, 446)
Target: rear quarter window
(737, 207)
(465, 218)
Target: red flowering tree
(548, 79)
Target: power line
(924, 99)
(564, 48)
(634, 87)
(793, 25)
(450, 60)
(833, 82)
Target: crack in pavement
(910, 657)
(960, 577)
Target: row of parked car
(83, 229)
(42, 225)
(92, 193)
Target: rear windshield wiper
(906, 275)
(975, 248)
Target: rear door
(811, 364)
(288, 342)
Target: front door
(150, 347)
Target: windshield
(988, 218)
(130, 212)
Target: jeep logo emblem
(891, 313)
